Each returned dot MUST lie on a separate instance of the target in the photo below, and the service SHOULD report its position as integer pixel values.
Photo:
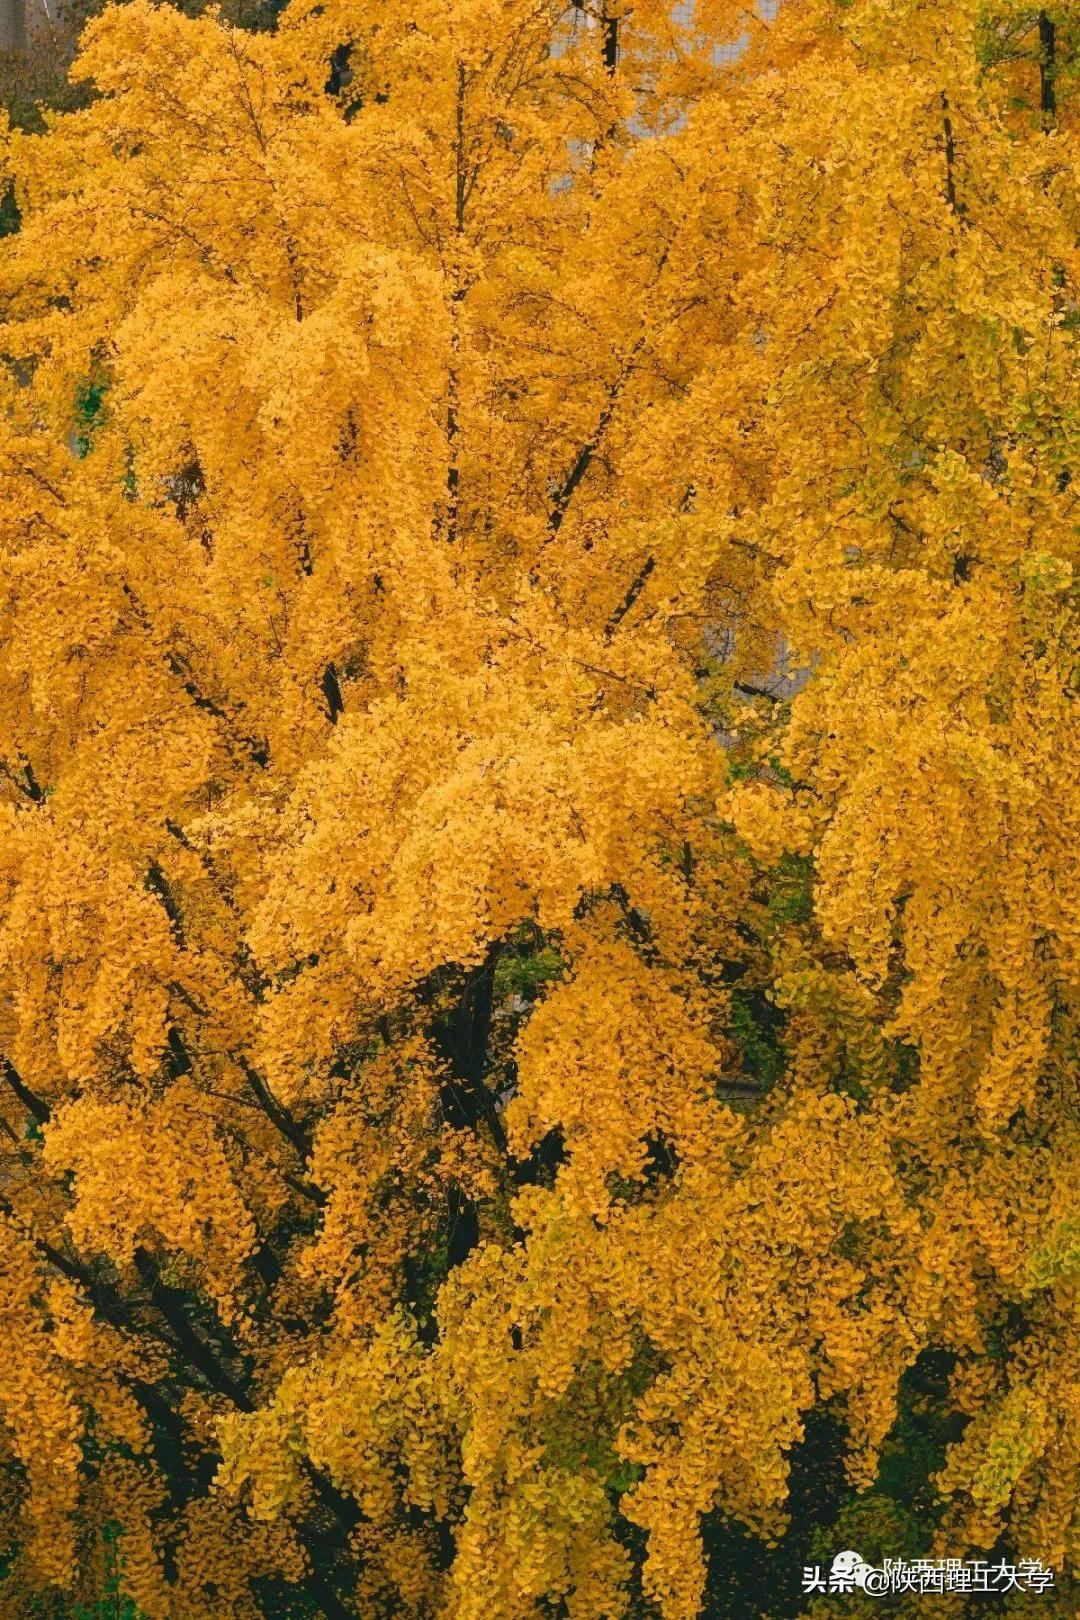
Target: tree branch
(1047, 69)
(624, 607)
(33, 1104)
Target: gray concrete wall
(12, 25)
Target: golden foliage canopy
(487, 1065)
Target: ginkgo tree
(489, 1075)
